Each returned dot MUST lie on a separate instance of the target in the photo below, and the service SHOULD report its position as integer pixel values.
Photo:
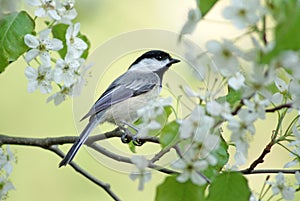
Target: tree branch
(81, 171)
(50, 143)
(123, 159)
(270, 171)
(260, 159)
(279, 107)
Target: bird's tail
(81, 140)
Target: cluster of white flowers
(254, 87)
(153, 116)
(198, 142)
(142, 174)
(244, 13)
(194, 16)
(281, 187)
(6, 160)
(67, 73)
(61, 12)
(285, 189)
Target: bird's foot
(136, 141)
(128, 137)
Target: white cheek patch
(150, 65)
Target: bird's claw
(136, 141)
(125, 138)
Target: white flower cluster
(198, 141)
(67, 73)
(153, 116)
(142, 174)
(244, 13)
(255, 86)
(61, 12)
(194, 16)
(6, 160)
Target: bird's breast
(127, 109)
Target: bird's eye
(159, 57)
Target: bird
(140, 84)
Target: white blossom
(290, 60)
(224, 56)
(39, 78)
(76, 45)
(61, 95)
(41, 46)
(243, 13)
(261, 77)
(142, 174)
(66, 11)
(190, 168)
(281, 84)
(6, 186)
(294, 91)
(203, 146)
(198, 121)
(46, 8)
(218, 109)
(149, 115)
(66, 70)
(6, 160)
(281, 187)
(236, 81)
(239, 127)
(194, 17)
(257, 106)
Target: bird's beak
(173, 61)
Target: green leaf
(132, 147)
(169, 134)
(287, 31)
(222, 156)
(13, 28)
(229, 186)
(233, 97)
(168, 110)
(86, 40)
(206, 5)
(59, 32)
(172, 190)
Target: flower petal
(31, 73)
(40, 12)
(44, 34)
(32, 86)
(54, 44)
(53, 14)
(45, 59)
(31, 41)
(31, 54)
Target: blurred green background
(36, 175)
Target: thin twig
(260, 159)
(279, 107)
(160, 154)
(124, 159)
(270, 171)
(84, 173)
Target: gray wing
(130, 84)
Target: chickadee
(130, 92)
